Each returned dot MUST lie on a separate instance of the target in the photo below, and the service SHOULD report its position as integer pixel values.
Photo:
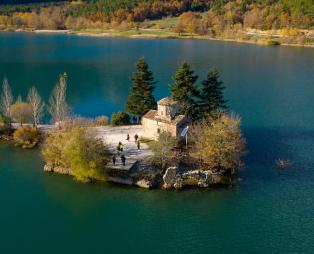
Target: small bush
(120, 118)
(102, 120)
(21, 112)
(26, 136)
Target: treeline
(10, 7)
(18, 2)
(210, 15)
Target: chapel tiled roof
(167, 101)
(153, 115)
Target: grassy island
(127, 151)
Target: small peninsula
(185, 139)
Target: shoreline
(138, 170)
(162, 35)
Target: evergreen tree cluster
(198, 102)
(195, 101)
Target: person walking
(114, 159)
(138, 145)
(119, 146)
(128, 137)
(123, 159)
(136, 137)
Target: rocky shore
(144, 175)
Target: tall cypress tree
(212, 94)
(185, 91)
(141, 98)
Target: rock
(48, 168)
(193, 174)
(59, 170)
(178, 183)
(197, 178)
(206, 180)
(144, 183)
(6, 137)
(120, 180)
(221, 179)
(169, 178)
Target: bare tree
(6, 98)
(37, 105)
(19, 99)
(58, 107)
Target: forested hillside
(214, 18)
(27, 1)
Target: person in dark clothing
(138, 145)
(128, 137)
(114, 159)
(120, 147)
(135, 137)
(123, 159)
(134, 120)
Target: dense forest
(204, 17)
(16, 2)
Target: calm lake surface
(271, 88)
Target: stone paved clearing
(113, 135)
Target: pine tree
(185, 91)
(141, 98)
(212, 94)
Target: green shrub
(78, 150)
(102, 120)
(26, 136)
(120, 118)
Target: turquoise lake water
(269, 211)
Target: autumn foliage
(218, 15)
(218, 143)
